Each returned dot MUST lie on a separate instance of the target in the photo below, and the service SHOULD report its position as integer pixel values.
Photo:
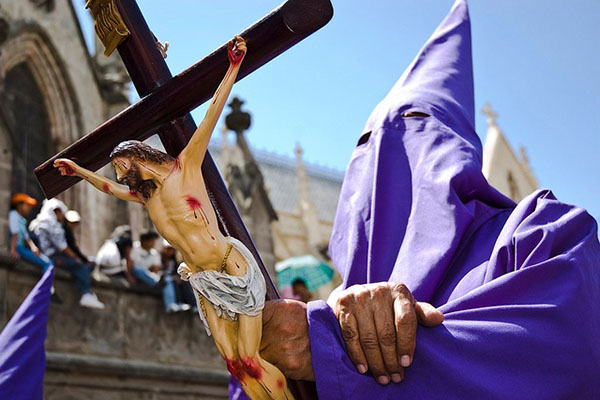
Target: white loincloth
(229, 295)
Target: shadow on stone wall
(132, 349)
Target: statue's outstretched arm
(196, 148)
(67, 167)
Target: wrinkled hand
(379, 323)
(66, 167)
(236, 49)
(285, 342)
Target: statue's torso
(183, 215)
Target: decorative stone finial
(299, 151)
(490, 114)
(237, 120)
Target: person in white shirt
(147, 267)
(114, 256)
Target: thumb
(428, 315)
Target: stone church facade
(52, 92)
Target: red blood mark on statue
(235, 54)
(279, 383)
(136, 194)
(252, 367)
(177, 165)
(67, 169)
(236, 369)
(195, 205)
(106, 188)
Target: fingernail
(361, 368)
(384, 380)
(405, 361)
(396, 378)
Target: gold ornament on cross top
(108, 23)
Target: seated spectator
(114, 256)
(47, 227)
(183, 291)
(72, 219)
(146, 268)
(21, 245)
(301, 290)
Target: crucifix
(167, 100)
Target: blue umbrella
(313, 271)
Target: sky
(537, 62)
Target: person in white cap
(70, 223)
(47, 227)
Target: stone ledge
(86, 364)
(63, 275)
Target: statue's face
(127, 172)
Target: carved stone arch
(30, 49)
(32, 46)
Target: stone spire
(225, 150)
(503, 168)
(308, 211)
(493, 138)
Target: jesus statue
(229, 286)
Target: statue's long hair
(141, 152)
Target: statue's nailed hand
(66, 167)
(236, 49)
(379, 324)
(285, 342)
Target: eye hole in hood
(415, 114)
(364, 139)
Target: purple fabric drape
(517, 284)
(22, 352)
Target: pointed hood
(414, 185)
(439, 81)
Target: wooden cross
(166, 100)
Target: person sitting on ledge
(47, 227)
(146, 269)
(21, 244)
(113, 259)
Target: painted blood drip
(195, 205)
(67, 168)
(177, 164)
(236, 369)
(252, 368)
(106, 188)
(279, 383)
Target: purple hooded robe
(518, 285)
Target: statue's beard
(137, 184)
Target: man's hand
(66, 167)
(379, 324)
(285, 342)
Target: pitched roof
(281, 181)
